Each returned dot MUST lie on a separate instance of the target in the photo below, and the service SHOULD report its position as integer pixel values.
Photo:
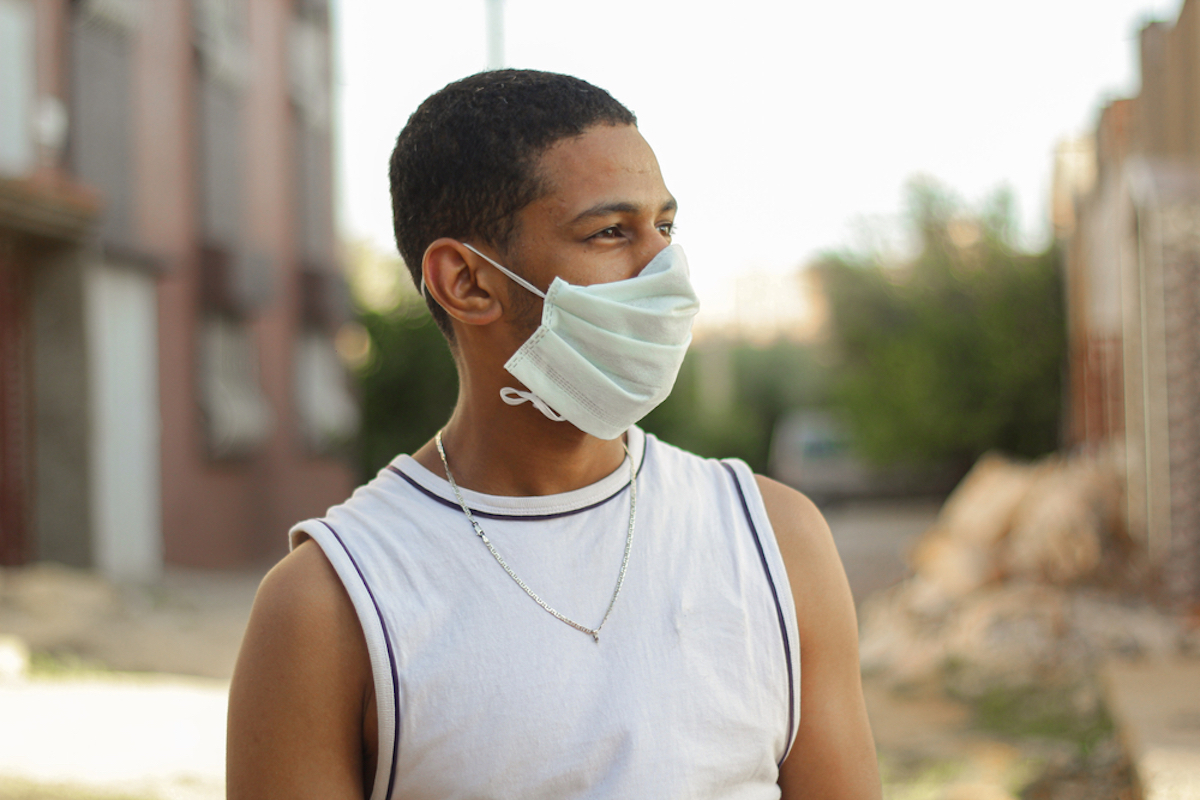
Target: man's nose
(649, 245)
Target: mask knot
(516, 397)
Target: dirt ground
(873, 538)
(126, 686)
(189, 623)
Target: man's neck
(494, 448)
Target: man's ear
(456, 282)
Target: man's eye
(608, 233)
(668, 229)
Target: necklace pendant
(596, 636)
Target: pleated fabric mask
(605, 355)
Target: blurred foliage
(408, 384)
(64, 663)
(1047, 712)
(955, 351)
(730, 394)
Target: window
(16, 87)
(237, 417)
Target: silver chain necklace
(593, 632)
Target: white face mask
(605, 355)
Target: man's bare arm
(301, 691)
(834, 754)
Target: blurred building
(169, 389)
(1133, 284)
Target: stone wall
(1181, 292)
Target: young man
(544, 601)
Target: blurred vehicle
(813, 452)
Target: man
(543, 601)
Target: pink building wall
(217, 510)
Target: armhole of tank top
(379, 646)
(777, 578)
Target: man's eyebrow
(604, 209)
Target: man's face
(605, 214)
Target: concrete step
(1156, 707)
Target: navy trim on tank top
(787, 648)
(387, 640)
(492, 515)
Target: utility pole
(495, 34)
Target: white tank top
(692, 690)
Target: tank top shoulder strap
(775, 570)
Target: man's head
(466, 162)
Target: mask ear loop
(515, 277)
(515, 397)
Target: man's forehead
(607, 169)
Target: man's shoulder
(833, 755)
(301, 686)
(302, 612)
(303, 594)
(385, 502)
(673, 458)
(790, 509)
(805, 541)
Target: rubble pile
(1026, 578)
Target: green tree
(954, 352)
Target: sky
(784, 129)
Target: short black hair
(464, 165)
